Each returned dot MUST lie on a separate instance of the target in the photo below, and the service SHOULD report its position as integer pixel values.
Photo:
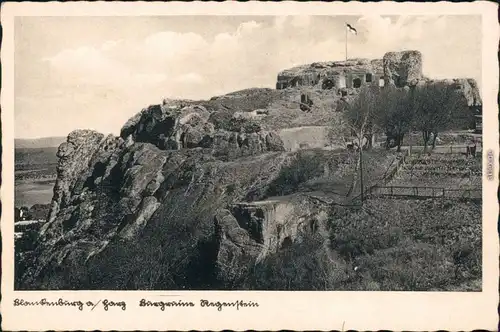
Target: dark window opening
(313, 226)
(328, 84)
(344, 93)
(287, 242)
(397, 81)
(368, 78)
(183, 140)
(356, 83)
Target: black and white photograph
(277, 152)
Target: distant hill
(36, 143)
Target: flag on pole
(351, 29)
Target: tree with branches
(437, 107)
(359, 120)
(394, 114)
(359, 115)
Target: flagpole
(346, 42)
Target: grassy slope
(419, 245)
(395, 245)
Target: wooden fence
(425, 192)
(387, 177)
(381, 189)
(442, 149)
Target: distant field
(29, 192)
(37, 156)
(35, 175)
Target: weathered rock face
(402, 68)
(119, 200)
(344, 78)
(277, 222)
(170, 127)
(466, 86)
(74, 156)
(397, 68)
(333, 75)
(174, 127)
(130, 215)
(236, 247)
(185, 197)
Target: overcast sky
(96, 72)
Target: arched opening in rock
(356, 83)
(397, 80)
(305, 103)
(313, 226)
(328, 84)
(287, 242)
(381, 82)
(183, 140)
(368, 78)
(206, 141)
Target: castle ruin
(399, 69)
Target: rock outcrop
(466, 86)
(175, 127)
(333, 75)
(344, 78)
(402, 68)
(163, 186)
(279, 221)
(192, 194)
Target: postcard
(256, 165)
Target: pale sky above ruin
(96, 72)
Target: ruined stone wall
(396, 68)
(331, 75)
(402, 68)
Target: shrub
(409, 245)
(306, 166)
(302, 266)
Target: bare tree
(436, 106)
(359, 116)
(394, 114)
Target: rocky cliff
(188, 196)
(192, 194)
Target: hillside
(205, 194)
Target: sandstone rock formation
(332, 75)
(193, 193)
(344, 78)
(466, 86)
(402, 68)
(169, 180)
